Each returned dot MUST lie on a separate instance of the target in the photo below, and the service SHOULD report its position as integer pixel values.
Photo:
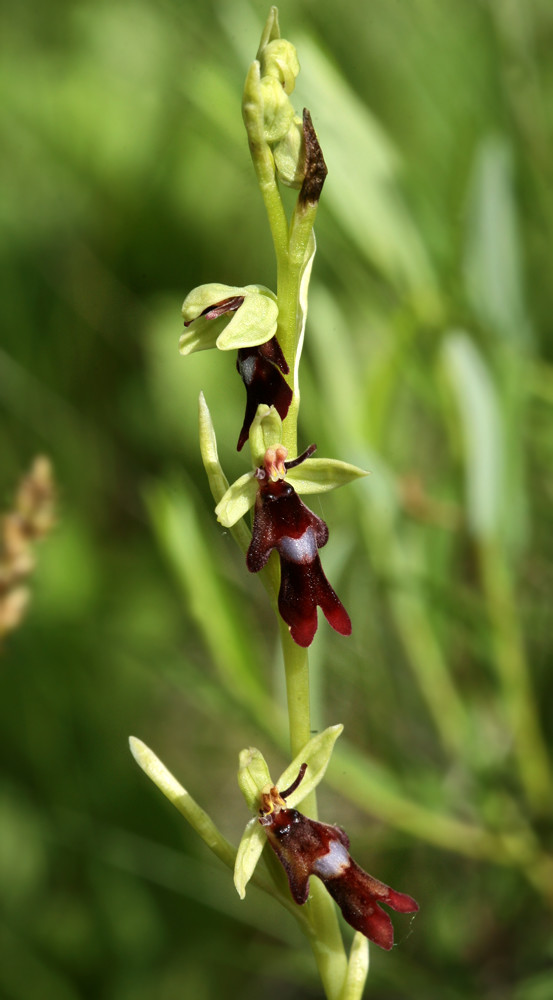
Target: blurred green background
(126, 181)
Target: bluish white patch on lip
(299, 550)
(334, 863)
(247, 369)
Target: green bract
(254, 778)
(249, 324)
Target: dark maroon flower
(283, 522)
(305, 847)
(260, 368)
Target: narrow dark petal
(272, 351)
(295, 784)
(301, 458)
(264, 383)
(219, 308)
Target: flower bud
(289, 156)
(279, 60)
(278, 111)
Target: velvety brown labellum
(260, 369)
(283, 522)
(306, 847)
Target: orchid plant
(264, 332)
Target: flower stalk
(283, 544)
(294, 250)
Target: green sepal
(316, 754)
(320, 475)
(265, 432)
(253, 776)
(238, 500)
(253, 323)
(201, 335)
(249, 852)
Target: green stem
(296, 668)
(264, 165)
(324, 931)
(294, 248)
(324, 934)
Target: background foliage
(126, 181)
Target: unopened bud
(278, 112)
(279, 60)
